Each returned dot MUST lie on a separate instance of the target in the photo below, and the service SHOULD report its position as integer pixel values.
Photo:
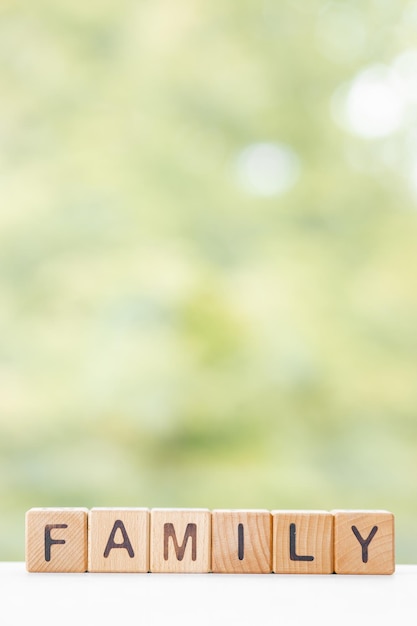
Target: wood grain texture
(302, 542)
(241, 542)
(180, 540)
(364, 542)
(118, 540)
(56, 540)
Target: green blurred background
(208, 229)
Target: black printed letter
(293, 554)
(241, 542)
(190, 531)
(364, 542)
(118, 524)
(49, 541)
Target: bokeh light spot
(404, 68)
(267, 169)
(372, 105)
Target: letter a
(118, 525)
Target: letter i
(241, 542)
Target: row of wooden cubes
(200, 540)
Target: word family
(200, 541)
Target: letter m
(190, 531)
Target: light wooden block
(364, 542)
(118, 540)
(180, 540)
(241, 542)
(56, 540)
(302, 542)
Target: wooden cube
(241, 542)
(180, 540)
(56, 540)
(364, 542)
(118, 540)
(302, 542)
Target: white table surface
(203, 599)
